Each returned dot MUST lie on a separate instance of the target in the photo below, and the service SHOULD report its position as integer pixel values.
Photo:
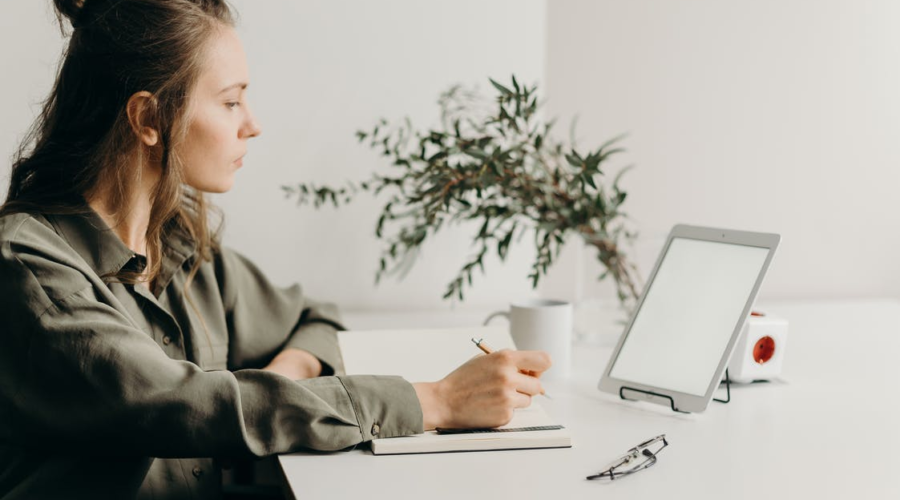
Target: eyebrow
(242, 85)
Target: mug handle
(494, 315)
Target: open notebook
(429, 355)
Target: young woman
(135, 352)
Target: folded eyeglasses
(636, 459)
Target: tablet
(689, 317)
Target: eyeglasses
(636, 459)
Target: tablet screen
(691, 309)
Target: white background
(763, 115)
(758, 115)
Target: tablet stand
(727, 389)
(672, 401)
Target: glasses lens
(654, 446)
(640, 463)
(636, 464)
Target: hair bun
(71, 9)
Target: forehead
(225, 63)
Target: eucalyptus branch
(498, 165)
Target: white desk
(831, 429)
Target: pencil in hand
(487, 350)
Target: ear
(141, 109)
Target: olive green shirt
(111, 390)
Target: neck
(129, 222)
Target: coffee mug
(542, 325)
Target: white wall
(761, 115)
(767, 115)
(30, 45)
(320, 70)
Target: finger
(520, 400)
(526, 384)
(536, 361)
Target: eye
(232, 105)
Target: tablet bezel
(680, 401)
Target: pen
(487, 350)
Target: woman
(128, 332)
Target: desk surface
(829, 429)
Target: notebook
(429, 355)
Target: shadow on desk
(253, 480)
(590, 392)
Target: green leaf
(503, 245)
(515, 84)
(483, 231)
(619, 176)
(600, 203)
(613, 151)
(437, 156)
(574, 160)
(476, 153)
(612, 141)
(501, 88)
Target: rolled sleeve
(385, 406)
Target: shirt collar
(178, 248)
(106, 254)
(93, 240)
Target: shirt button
(167, 340)
(376, 429)
(197, 471)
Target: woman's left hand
(295, 364)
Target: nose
(251, 127)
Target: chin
(222, 186)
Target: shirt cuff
(320, 340)
(385, 406)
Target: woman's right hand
(484, 391)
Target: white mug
(543, 325)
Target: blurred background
(760, 115)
